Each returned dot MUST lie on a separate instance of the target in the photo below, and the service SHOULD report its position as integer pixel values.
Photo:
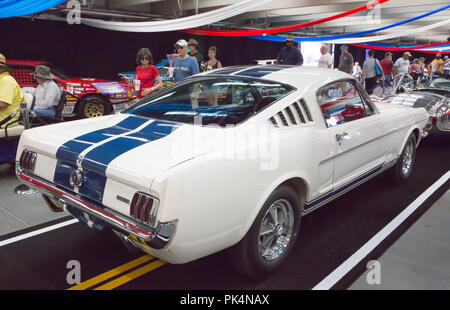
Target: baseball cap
(344, 46)
(407, 53)
(181, 43)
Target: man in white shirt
(401, 66)
(325, 61)
(47, 93)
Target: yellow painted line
(132, 275)
(112, 273)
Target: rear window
(216, 100)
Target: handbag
(377, 68)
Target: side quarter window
(370, 107)
(340, 103)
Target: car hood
(129, 149)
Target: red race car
(91, 97)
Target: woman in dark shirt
(212, 63)
(212, 92)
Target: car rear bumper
(99, 216)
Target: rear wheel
(271, 237)
(93, 106)
(403, 168)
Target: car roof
(292, 75)
(24, 62)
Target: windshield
(217, 100)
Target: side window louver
(305, 107)
(293, 115)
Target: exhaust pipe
(54, 207)
(126, 242)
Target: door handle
(340, 137)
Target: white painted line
(37, 232)
(359, 255)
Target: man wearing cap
(10, 94)
(47, 93)
(386, 65)
(401, 65)
(184, 65)
(346, 61)
(290, 55)
(193, 51)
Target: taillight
(28, 160)
(143, 208)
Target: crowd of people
(188, 60)
(384, 73)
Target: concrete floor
(16, 211)
(420, 259)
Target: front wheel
(93, 106)
(403, 168)
(271, 236)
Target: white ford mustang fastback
(231, 158)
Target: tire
(405, 163)
(249, 256)
(93, 106)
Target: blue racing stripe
(70, 150)
(62, 174)
(98, 159)
(261, 71)
(324, 197)
(93, 184)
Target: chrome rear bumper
(155, 237)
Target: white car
(186, 173)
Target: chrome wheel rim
(276, 229)
(92, 109)
(408, 158)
